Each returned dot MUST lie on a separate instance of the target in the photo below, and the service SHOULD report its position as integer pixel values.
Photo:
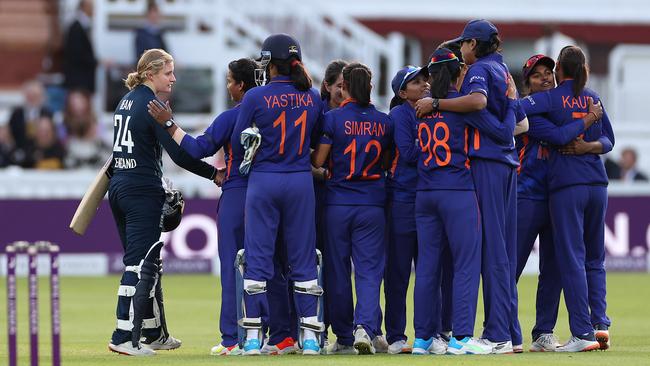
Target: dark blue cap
(441, 56)
(405, 75)
(479, 29)
(281, 46)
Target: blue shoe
(421, 346)
(310, 347)
(252, 347)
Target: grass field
(192, 303)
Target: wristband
(435, 103)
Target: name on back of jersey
(369, 128)
(125, 163)
(125, 105)
(293, 100)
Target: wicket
(32, 250)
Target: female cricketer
(355, 137)
(280, 193)
(577, 202)
(136, 196)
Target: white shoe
(127, 349)
(467, 346)
(221, 350)
(163, 344)
(438, 346)
(498, 348)
(380, 344)
(576, 344)
(398, 347)
(340, 349)
(546, 342)
(518, 348)
(362, 342)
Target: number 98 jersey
(136, 148)
(359, 136)
(443, 143)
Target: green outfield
(192, 303)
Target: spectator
(629, 173)
(151, 34)
(23, 118)
(47, 151)
(79, 56)
(84, 148)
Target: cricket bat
(92, 198)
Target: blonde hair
(152, 61)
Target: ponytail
(443, 75)
(486, 48)
(357, 78)
(293, 68)
(573, 63)
(397, 100)
(151, 61)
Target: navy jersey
(533, 168)
(562, 108)
(402, 178)
(216, 136)
(286, 118)
(358, 135)
(442, 161)
(138, 140)
(489, 76)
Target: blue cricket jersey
(138, 140)
(286, 118)
(359, 136)
(402, 179)
(489, 76)
(216, 136)
(442, 159)
(562, 108)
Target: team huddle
(458, 179)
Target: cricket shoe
(602, 336)
(127, 349)
(340, 349)
(398, 347)
(162, 343)
(433, 345)
(498, 348)
(221, 350)
(545, 342)
(362, 342)
(445, 336)
(286, 347)
(518, 348)
(576, 344)
(252, 347)
(467, 346)
(380, 344)
(310, 347)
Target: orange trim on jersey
(346, 101)
(393, 166)
(477, 140)
(229, 162)
(578, 115)
(466, 139)
(522, 153)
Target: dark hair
(296, 70)
(442, 76)
(332, 73)
(357, 77)
(243, 71)
(574, 65)
(486, 48)
(395, 101)
(453, 46)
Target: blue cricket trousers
(578, 219)
(274, 201)
(496, 189)
(447, 218)
(358, 235)
(401, 252)
(533, 219)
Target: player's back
(359, 135)
(286, 118)
(443, 163)
(136, 150)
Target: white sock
(252, 333)
(309, 334)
